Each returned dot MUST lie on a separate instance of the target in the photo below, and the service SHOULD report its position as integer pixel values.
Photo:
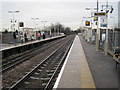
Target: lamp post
(97, 31)
(44, 22)
(13, 20)
(107, 8)
(34, 19)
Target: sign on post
(87, 23)
(95, 18)
(21, 24)
(103, 22)
(99, 14)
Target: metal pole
(50, 32)
(13, 21)
(91, 27)
(59, 30)
(35, 28)
(106, 43)
(34, 23)
(97, 5)
(97, 32)
(115, 38)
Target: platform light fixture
(13, 20)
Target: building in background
(119, 14)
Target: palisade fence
(113, 40)
(6, 37)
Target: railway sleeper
(42, 67)
(44, 79)
(34, 78)
(26, 83)
(44, 84)
(36, 73)
(39, 70)
(49, 71)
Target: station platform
(12, 49)
(103, 67)
(75, 72)
(87, 68)
(9, 46)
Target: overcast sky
(67, 12)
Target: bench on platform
(116, 56)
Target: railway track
(44, 74)
(8, 64)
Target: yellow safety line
(86, 79)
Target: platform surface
(102, 67)
(75, 72)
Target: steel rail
(36, 67)
(19, 59)
(48, 86)
(21, 54)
